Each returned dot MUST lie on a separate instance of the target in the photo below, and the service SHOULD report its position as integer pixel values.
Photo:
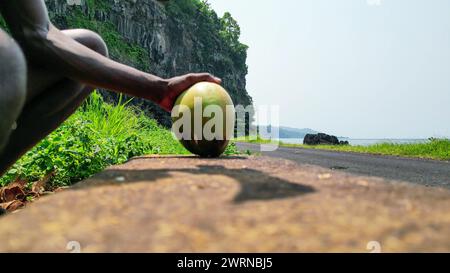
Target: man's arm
(45, 46)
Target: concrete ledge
(237, 204)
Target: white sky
(350, 67)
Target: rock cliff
(166, 38)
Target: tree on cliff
(231, 32)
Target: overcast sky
(356, 68)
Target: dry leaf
(12, 206)
(14, 191)
(16, 194)
(11, 193)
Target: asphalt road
(425, 172)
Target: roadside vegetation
(98, 135)
(434, 148)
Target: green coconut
(186, 112)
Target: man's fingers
(199, 77)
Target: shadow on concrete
(255, 185)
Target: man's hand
(177, 85)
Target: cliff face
(166, 38)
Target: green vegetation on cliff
(210, 28)
(119, 48)
(218, 40)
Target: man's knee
(13, 72)
(97, 43)
(89, 39)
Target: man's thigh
(12, 84)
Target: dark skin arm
(46, 46)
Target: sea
(361, 142)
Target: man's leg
(13, 73)
(47, 109)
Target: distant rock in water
(287, 132)
(321, 138)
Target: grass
(96, 136)
(438, 149)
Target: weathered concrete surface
(258, 204)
